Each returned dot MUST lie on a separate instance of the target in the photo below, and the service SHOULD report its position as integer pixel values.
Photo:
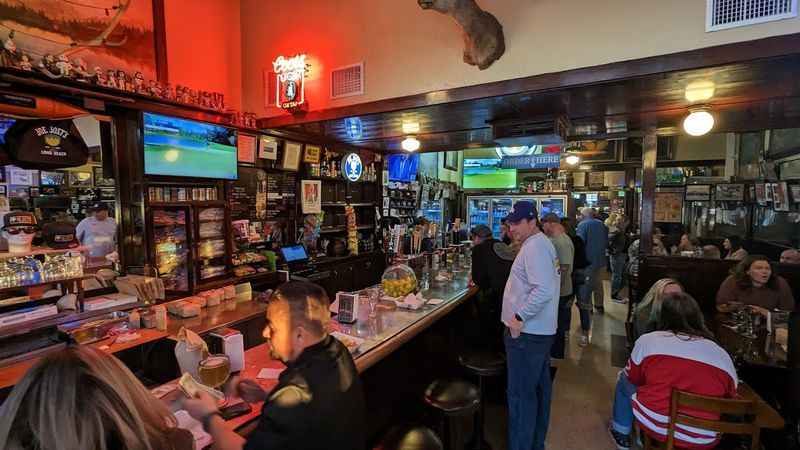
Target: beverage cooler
(189, 245)
(490, 210)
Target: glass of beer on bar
(214, 370)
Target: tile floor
(582, 392)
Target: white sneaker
(584, 340)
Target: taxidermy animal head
(484, 42)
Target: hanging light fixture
(410, 144)
(572, 159)
(698, 122)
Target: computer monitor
(294, 253)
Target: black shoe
(623, 441)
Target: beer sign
(290, 73)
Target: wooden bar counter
(383, 335)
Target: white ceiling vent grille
(347, 81)
(723, 14)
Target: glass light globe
(410, 144)
(698, 123)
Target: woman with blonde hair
(83, 398)
(646, 313)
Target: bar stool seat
(410, 437)
(453, 397)
(483, 364)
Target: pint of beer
(214, 370)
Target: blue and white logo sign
(352, 167)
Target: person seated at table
(790, 256)
(83, 398)
(679, 354)
(491, 264)
(646, 313)
(753, 283)
(733, 248)
(686, 244)
(711, 252)
(318, 402)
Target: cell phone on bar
(236, 410)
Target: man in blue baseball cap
(530, 311)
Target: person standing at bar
(98, 232)
(551, 224)
(530, 309)
(595, 236)
(491, 264)
(318, 403)
(618, 251)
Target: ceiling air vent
(723, 14)
(347, 81)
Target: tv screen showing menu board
(187, 148)
(487, 174)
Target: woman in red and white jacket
(680, 354)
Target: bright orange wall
(204, 46)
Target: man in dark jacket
(491, 264)
(318, 402)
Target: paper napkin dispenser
(229, 342)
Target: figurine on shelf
(154, 89)
(98, 78)
(48, 66)
(120, 78)
(25, 63)
(80, 72)
(64, 67)
(129, 83)
(8, 55)
(167, 93)
(138, 83)
(111, 79)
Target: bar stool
(453, 399)
(483, 365)
(410, 437)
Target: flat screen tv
(5, 124)
(486, 174)
(403, 167)
(186, 148)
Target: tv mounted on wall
(402, 167)
(186, 148)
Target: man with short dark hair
(318, 403)
(595, 235)
(551, 225)
(491, 264)
(530, 308)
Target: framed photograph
(80, 179)
(291, 155)
(768, 191)
(761, 193)
(47, 178)
(729, 193)
(3, 191)
(781, 195)
(668, 207)
(450, 161)
(752, 193)
(311, 154)
(698, 193)
(267, 147)
(20, 176)
(246, 148)
(795, 188)
(99, 181)
(311, 196)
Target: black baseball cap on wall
(60, 235)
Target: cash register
(300, 267)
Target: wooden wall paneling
(648, 192)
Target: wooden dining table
(766, 415)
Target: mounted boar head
(483, 35)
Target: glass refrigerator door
(478, 211)
(500, 209)
(432, 210)
(211, 250)
(171, 247)
(553, 205)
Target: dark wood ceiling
(760, 93)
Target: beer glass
(214, 370)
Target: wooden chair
(743, 410)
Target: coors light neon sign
(291, 73)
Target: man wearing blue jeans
(530, 310)
(622, 414)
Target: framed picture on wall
(311, 196)
(698, 193)
(311, 154)
(80, 179)
(781, 195)
(729, 193)
(761, 193)
(3, 191)
(768, 192)
(99, 181)
(246, 148)
(795, 188)
(450, 161)
(291, 155)
(267, 147)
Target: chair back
(742, 422)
